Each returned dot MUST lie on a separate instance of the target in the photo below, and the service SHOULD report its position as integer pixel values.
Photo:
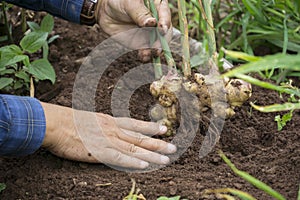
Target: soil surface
(250, 139)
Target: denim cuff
(67, 9)
(22, 125)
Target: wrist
(57, 123)
(88, 12)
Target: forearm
(22, 125)
(67, 9)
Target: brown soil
(250, 139)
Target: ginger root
(167, 90)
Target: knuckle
(118, 157)
(132, 148)
(140, 139)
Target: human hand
(95, 137)
(119, 16)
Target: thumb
(140, 14)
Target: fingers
(164, 14)
(139, 13)
(147, 142)
(120, 159)
(149, 128)
(139, 153)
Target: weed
(281, 121)
(224, 192)
(16, 69)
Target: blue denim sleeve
(22, 125)
(67, 9)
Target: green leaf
(20, 84)
(23, 75)
(42, 70)
(33, 41)
(276, 61)
(255, 182)
(7, 71)
(276, 107)
(54, 37)
(14, 60)
(241, 55)
(33, 26)
(169, 198)
(13, 49)
(281, 122)
(2, 187)
(47, 23)
(10, 55)
(254, 11)
(3, 83)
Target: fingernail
(144, 164)
(163, 129)
(165, 29)
(172, 148)
(165, 160)
(150, 22)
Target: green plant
(259, 64)
(252, 23)
(169, 198)
(281, 121)
(17, 70)
(224, 192)
(3, 20)
(134, 193)
(2, 187)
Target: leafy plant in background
(16, 68)
(249, 23)
(6, 28)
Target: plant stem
(207, 13)
(163, 41)
(23, 20)
(8, 32)
(186, 67)
(157, 68)
(31, 87)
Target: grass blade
(257, 183)
(267, 85)
(276, 61)
(254, 11)
(241, 194)
(276, 107)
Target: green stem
(8, 32)
(163, 41)
(206, 6)
(23, 20)
(186, 68)
(157, 68)
(257, 183)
